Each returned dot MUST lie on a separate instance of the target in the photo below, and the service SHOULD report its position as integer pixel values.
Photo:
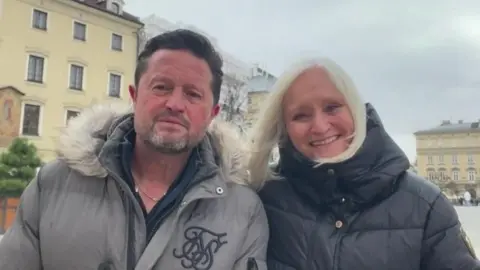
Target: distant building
(259, 88)
(450, 154)
(57, 57)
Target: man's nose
(176, 100)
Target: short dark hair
(183, 39)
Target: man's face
(173, 104)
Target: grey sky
(417, 62)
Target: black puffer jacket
(366, 213)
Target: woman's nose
(321, 124)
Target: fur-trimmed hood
(81, 141)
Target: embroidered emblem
(467, 242)
(199, 248)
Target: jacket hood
(370, 175)
(81, 141)
(346, 87)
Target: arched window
(116, 8)
(455, 175)
(472, 174)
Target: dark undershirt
(174, 195)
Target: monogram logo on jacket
(199, 248)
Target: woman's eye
(332, 108)
(300, 116)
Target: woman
(340, 196)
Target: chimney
(445, 122)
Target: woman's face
(317, 117)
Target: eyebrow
(196, 87)
(157, 78)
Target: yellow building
(57, 57)
(449, 154)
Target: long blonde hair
(269, 129)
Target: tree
(439, 179)
(234, 100)
(452, 187)
(18, 166)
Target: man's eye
(160, 87)
(195, 95)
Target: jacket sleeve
(254, 253)
(19, 247)
(446, 245)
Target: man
(152, 189)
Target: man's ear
(132, 90)
(215, 110)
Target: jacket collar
(370, 175)
(90, 137)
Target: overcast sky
(417, 62)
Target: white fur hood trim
(81, 141)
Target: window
(114, 85)
(31, 120)
(76, 77)
(79, 31)
(117, 42)
(430, 160)
(470, 159)
(455, 175)
(431, 175)
(440, 159)
(116, 8)
(471, 175)
(39, 20)
(35, 68)
(454, 159)
(71, 114)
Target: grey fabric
(76, 213)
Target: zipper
(130, 238)
(127, 195)
(129, 198)
(336, 251)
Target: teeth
(326, 141)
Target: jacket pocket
(256, 264)
(252, 264)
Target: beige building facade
(449, 155)
(58, 57)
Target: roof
(261, 83)
(5, 87)
(102, 6)
(450, 128)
